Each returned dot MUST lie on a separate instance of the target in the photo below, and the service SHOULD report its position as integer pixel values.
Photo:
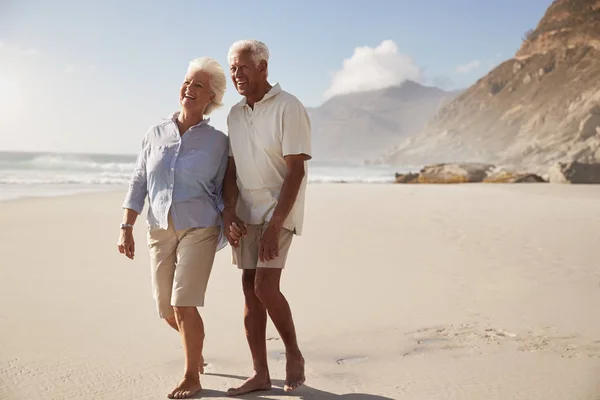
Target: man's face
(246, 76)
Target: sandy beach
(398, 292)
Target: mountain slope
(537, 108)
(359, 126)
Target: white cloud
(70, 69)
(466, 68)
(373, 68)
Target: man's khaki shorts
(181, 262)
(245, 256)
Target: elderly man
(263, 189)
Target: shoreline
(123, 188)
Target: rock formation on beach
(468, 173)
(532, 111)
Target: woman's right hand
(126, 244)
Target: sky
(92, 77)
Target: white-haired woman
(180, 168)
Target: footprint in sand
(472, 336)
(567, 346)
(351, 360)
(453, 337)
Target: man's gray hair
(259, 50)
(217, 80)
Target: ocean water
(55, 174)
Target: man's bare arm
(289, 190)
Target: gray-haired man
(265, 183)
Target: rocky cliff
(538, 108)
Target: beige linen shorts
(245, 256)
(181, 262)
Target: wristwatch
(126, 226)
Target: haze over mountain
(361, 125)
(537, 108)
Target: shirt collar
(274, 91)
(174, 116)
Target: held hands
(234, 229)
(126, 244)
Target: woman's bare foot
(254, 383)
(189, 386)
(294, 371)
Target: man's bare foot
(189, 386)
(255, 383)
(294, 371)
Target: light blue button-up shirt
(181, 176)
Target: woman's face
(195, 93)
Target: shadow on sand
(304, 392)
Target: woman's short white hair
(217, 80)
(259, 50)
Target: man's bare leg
(267, 290)
(255, 322)
(191, 328)
(172, 322)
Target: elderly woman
(180, 168)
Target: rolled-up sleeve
(138, 188)
(296, 135)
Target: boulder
(503, 176)
(406, 178)
(454, 173)
(574, 172)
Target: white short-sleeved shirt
(259, 139)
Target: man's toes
(293, 385)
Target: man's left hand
(269, 243)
